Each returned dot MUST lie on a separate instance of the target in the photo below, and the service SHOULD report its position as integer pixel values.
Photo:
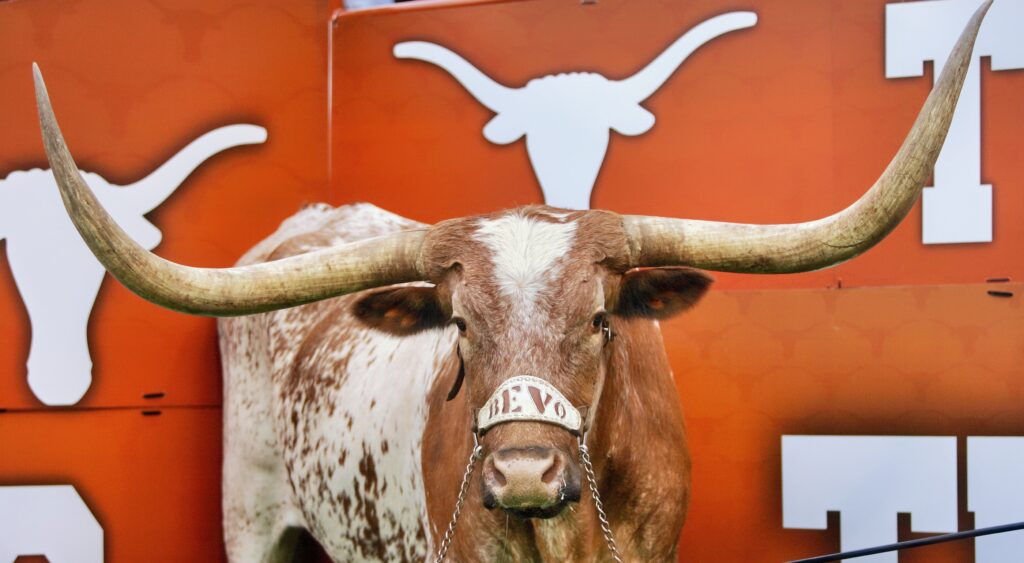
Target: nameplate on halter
(525, 397)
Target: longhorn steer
(337, 410)
(335, 419)
(567, 118)
(55, 273)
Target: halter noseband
(525, 397)
(530, 398)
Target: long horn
(222, 291)
(801, 247)
(149, 192)
(641, 85)
(488, 92)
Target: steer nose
(529, 482)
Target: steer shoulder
(342, 405)
(320, 226)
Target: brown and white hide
(343, 430)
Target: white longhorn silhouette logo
(567, 118)
(56, 273)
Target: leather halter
(579, 425)
(530, 398)
(525, 397)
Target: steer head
(567, 118)
(536, 292)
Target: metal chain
(588, 468)
(447, 541)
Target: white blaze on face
(525, 253)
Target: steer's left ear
(401, 310)
(659, 293)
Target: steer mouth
(531, 482)
(567, 494)
(539, 513)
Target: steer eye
(600, 321)
(461, 324)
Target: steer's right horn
(801, 247)
(222, 291)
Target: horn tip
(37, 77)
(42, 99)
(42, 96)
(982, 10)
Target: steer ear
(401, 310)
(659, 293)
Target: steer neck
(638, 445)
(638, 451)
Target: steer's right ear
(401, 310)
(659, 293)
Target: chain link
(447, 541)
(588, 468)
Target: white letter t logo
(959, 207)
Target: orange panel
(132, 83)
(152, 482)
(788, 121)
(755, 365)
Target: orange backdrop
(787, 121)
(132, 82)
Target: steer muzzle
(530, 482)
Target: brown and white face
(532, 292)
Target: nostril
(498, 476)
(521, 477)
(553, 471)
(494, 475)
(571, 491)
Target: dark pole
(913, 543)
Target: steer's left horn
(801, 247)
(222, 291)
